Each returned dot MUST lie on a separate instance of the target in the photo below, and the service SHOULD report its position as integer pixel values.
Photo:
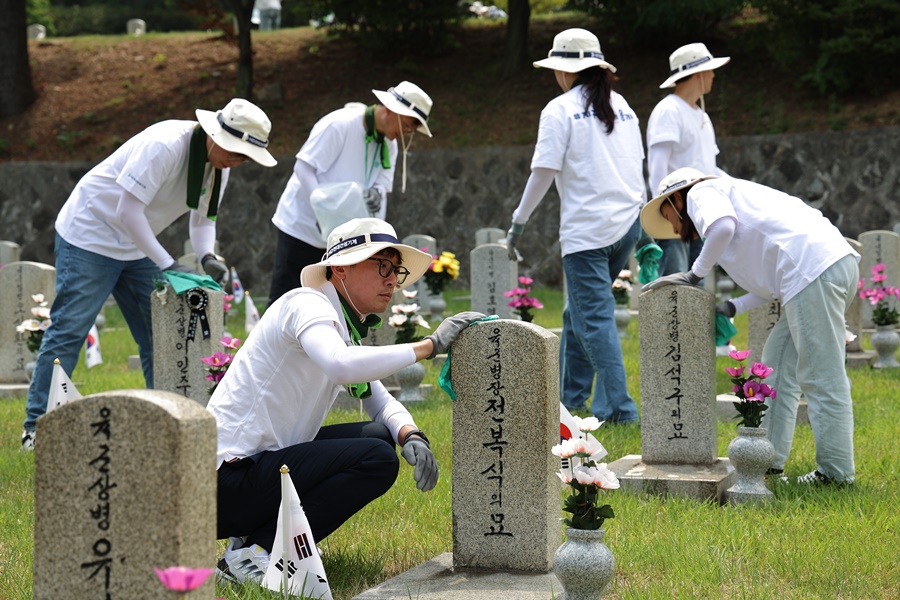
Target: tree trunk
(243, 10)
(16, 88)
(516, 56)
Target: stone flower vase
(584, 565)
(885, 340)
(623, 317)
(752, 454)
(437, 305)
(409, 378)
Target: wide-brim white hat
(408, 99)
(652, 220)
(358, 239)
(574, 50)
(240, 127)
(691, 59)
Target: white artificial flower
(421, 322)
(38, 298)
(397, 320)
(410, 293)
(587, 423)
(41, 311)
(28, 325)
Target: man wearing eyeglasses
(271, 404)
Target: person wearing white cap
(271, 404)
(106, 231)
(352, 144)
(681, 134)
(589, 143)
(776, 247)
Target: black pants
(342, 470)
(291, 255)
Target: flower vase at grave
(584, 565)
(437, 305)
(752, 454)
(885, 340)
(623, 317)
(409, 378)
(29, 369)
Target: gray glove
(419, 455)
(372, 198)
(512, 238)
(179, 268)
(215, 269)
(686, 278)
(726, 308)
(445, 333)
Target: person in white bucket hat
(776, 247)
(358, 144)
(106, 230)
(589, 143)
(270, 406)
(681, 134)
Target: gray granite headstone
(9, 252)
(897, 227)
(853, 316)
(506, 495)
(489, 235)
(18, 282)
(124, 481)
(36, 32)
(428, 244)
(176, 366)
(492, 274)
(678, 399)
(760, 321)
(879, 246)
(136, 27)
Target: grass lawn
(809, 543)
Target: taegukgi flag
(295, 566)
(237, 288)
(62, 389)
(568, 429)
(92, 356)
(251, 315)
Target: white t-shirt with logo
(153, 166)
(337, 150)
(599, 176)
(780, 243)
(691, 133)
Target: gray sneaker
(242, 564)
(28, 440)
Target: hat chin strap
(405, 148)
(702, 102)
(350, 300)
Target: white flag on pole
(62, 389)
(92, 355)
(251, 315)
(295, 547)
(236, 287)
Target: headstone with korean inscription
(19, 282)
(678, 399)
(760, 321)
(506, 494)
(186, 328)
(428, 244)
(9, 252)
(853, 318)
(492, 275)
(879, 247)
(124, 481)
(489, 235)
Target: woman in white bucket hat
(271, 406)
(776, 247)
(106, 231)
(589, 143)
(354, 144)
(681, 134)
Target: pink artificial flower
(761, 370)
(735, 371)
(739, 355)
(230, 342)
(765, 390)
(219, 359)
(737, 388)
(751, 391)
(183, 579)
(228, 297)
(525, 280)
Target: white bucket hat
(652, 220)
(240, 127)
(574, 50)
(358, 239)
(408, 99)
(691, 59)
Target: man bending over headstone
(106, 231)
(271, 404)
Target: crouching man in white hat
(106, 231)
(271, 404)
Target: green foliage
(538, 7)
(38, 12)
(111, 18)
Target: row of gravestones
(134, 27)
(108, 461)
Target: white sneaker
(243, 564)
(27, 440)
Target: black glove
(372, 198)
(512, 238)
(726, 308)
(686, 278)
(445, 333)
(418, 454)
(179, 268)
(215, 269)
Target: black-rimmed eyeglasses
(386, 267)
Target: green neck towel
(372, 135)
(724, 329)
(196, 169)
(358, 330)
(182, 282)
(444, 380)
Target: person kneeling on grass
(270, 406)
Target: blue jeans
(806, 350)
(590, 343)
(83, 282)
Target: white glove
(685, 278)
